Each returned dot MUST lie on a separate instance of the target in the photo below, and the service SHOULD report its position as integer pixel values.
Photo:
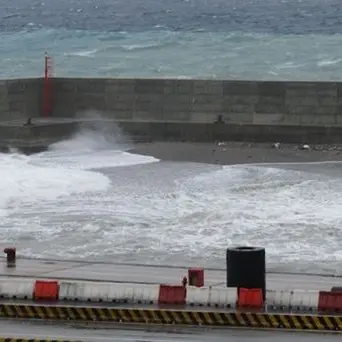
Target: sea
(90, 198)
(235, 39)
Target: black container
(10, 256)
(246, 268)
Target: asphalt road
(39, 330)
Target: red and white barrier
(215, 297)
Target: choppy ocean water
(238, 39)
(87, 198)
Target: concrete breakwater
(172, 109)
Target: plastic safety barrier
(330, 301)
(304, 300)
(46, 290)
(16, 289)
(250, 298)
(131, 293)
(296, 300)
(109, 292)
(223, 297)
(146, 294)
(197, 296)
(278, 300)
(171, 294)
(219, 297)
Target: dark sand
(228, 153)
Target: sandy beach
(228, 153)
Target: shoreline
(233, 153)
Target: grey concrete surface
(62, 332)
(21, 98)
(251, 102)
(31, 268)
(184, 109)
(41, 136)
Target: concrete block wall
(239, 102)
(20, 99)
(187, 109)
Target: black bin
(246, 268)
(10, 256)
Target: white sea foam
(31, 183)
(23, 182)
(82, 53)
(329, 62)
(88, 150)
(294, 214)
(84, 197)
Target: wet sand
(229, 153)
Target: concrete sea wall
(171, 109)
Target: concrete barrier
(171, 109)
